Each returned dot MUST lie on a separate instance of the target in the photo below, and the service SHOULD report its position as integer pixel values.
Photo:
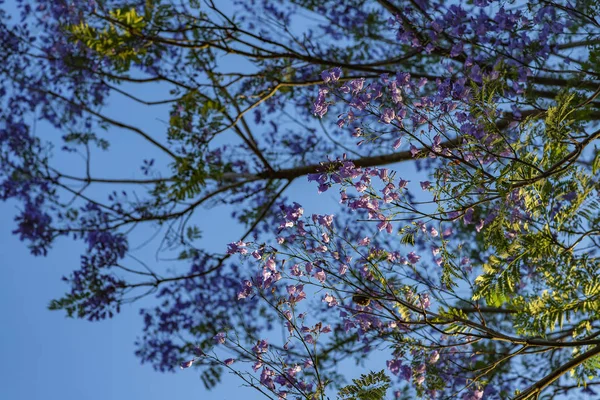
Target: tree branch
(536, 388)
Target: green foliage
(372, 386)
(453, 318)
(119, 39)
(575, 298)
(499, 279)
(587, 371)
(408, 236)
(596, 161)
(85, 138)
(191, 176)
(594, 60)
(211, 376)
(69, 304)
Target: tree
(485, 269)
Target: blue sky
(48, 356)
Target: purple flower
(296, 293)
(406, 372)
(395, 92)
(419, 379)
(336, 73)
(434, 357)
(452, 215)
(425, 300)
(295, 270)
(413, 150)
(309, 267)
(323, 187)
(364, 241)
(186, 364)
(34, 226)
(332, 75)
(468, 217)
(320, 275)
(570, 196)
(229, 361)
(320, 105)
(220, 338)
(384, 224)
(394, 366)
(293, 212)
(266, 378)
(320, 249)
(238, 247)
(330, 300)
(474, 395)
(198, 352)
(261, 347)
(479, 226)
(403, 78)
(437, 141)
(360, 186)
(457, 49)
(246, 290)
(425, 185)
(318, 177)
(412, 257)
(388, 116)
(356, 85)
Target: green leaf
(596, 162)
(372, 386)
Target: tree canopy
(460, 138)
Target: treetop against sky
(460, 259)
